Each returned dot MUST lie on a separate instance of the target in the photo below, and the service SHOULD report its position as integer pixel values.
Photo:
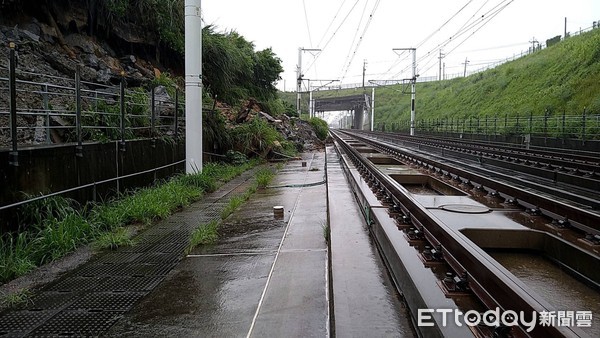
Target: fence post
(564, 132)
(47, 110)
(79, 147)
(153, 116)
(486, 126)
(546, 122)
(177, 113)
(13, 156)
(471, 125)
(122, 108)
(583, 133)
(530, 122)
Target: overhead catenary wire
(476, 26)
(398, 61)
(426, 60)
(333, 35)
(362, 36)
(355, 35)
(331, 23)
(307, 23)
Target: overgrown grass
(16, 298)
(264, 177)
(204, 234)
(326, 231)
(545, 82)
(320, 127)
(208, 233)
(55, 226)
(114, 239)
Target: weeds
(264, 177)
(15, 256)
(204, 234)
(326, 231)
(234, 203)
(16, 298)
(55, 226)
(114, 239)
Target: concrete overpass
(359, 107)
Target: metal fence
(423, 79)
(38, 109)
(583, 127)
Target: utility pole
(466, 62)
(533, 42)
(565, 36)
(441, 57)
(193, 87)
(299, 76)
(372, 107)
(363, 79)
(413, 82)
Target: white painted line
(233, 254)
(287, 226)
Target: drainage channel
(434, 240)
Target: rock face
(50, 50)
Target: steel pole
(413, 92)
(372, 107)
(12, 84)
(193, 87)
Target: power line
(398, 61)
(362, 36)
(477, 24)
(307, 25)
(331, 23)
(333, 35)
(355, 35)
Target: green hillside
(562, 78)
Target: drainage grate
(143, 269)
(106, 301)
(160, 231)
(171, 247)
(182, 235)
(22, 321)
(118, 257)
(158, 258)
(78, 323)
(126, 283)
(50, 300)
(74, 284)
(144, 244)
(94, 270)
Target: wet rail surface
(435, 231)
(570, 205)
(577, 169)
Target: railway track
(576, 168)
(435, 220)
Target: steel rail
(584, 220)
(491, 284)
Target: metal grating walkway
(90, 299)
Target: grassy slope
(563, 77)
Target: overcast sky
(482, 31)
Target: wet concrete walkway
(90, 299)
(266, 277)
(366, 303)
